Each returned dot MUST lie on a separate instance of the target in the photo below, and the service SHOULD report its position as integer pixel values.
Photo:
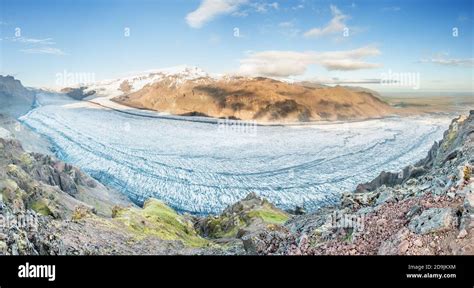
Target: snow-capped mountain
(190, 91)
(136, 81)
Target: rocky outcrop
(31, 170)
(429, 210)
(77, 93)
(245, 217)
(446, 150)
(157, 219)
(15, 99)
(433, 220)
(60, 174)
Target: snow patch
(179, 75)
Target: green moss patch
(41, 208)
(26, 159)
(269, 216)
(224, 227)
(229, 224)
(157, 219)
(11, 192)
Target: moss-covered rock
(81, 212)
(116, 210)
(13, 194)
(22, 178)
(222, 226)
(157, 219)
(269, 215)
(8, 184)
(452, 133)
(251, 213)
(41, 207)
(26, 160)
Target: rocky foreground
(52, 208)
(426, 209)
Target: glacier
(198, 168)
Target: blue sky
(333, 42)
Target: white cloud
(344, 81)
(36, 45)
(43, 50)
(291, 63)
(240, 13)
(336, 25)
(209, 9)
(275, 63)
(263, 7)
(442, 60)
(46, 41)
(347, 64)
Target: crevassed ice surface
(201, 168)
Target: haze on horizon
(331, 42)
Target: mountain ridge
(190, 91)
(15, 99)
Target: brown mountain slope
(259, 99)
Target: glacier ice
(195, 167)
